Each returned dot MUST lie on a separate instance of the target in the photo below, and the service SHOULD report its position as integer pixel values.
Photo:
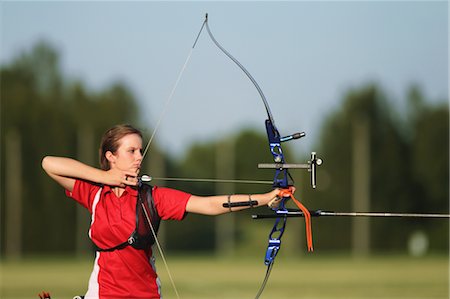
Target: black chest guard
(142, 237)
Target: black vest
(142, 237)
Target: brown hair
(110, 141)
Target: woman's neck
(118, 191)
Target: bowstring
(162, 115)
(171, 94)
(167, 103)
(160, 250)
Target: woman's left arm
(213, 205)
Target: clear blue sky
(304, 55)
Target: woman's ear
(110, 157)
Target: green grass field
(310, 276)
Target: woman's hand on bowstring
(121, 178)
(278, 194)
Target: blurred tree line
(408, 169)
(50, 115)
(45, 113)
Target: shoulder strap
(142, 237)
(147, 218)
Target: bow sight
(311, 166)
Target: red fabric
(125, 273)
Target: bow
(282, 178)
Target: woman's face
(129, 154)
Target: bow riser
(281, 178)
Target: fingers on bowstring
(130, 180)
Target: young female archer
(124, 268)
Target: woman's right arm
(66, 170)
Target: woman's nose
(138, 155)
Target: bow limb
(263, 97)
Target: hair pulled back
(110, 141)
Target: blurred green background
(405, 158)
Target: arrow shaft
(380, 214)
(320, 213)
(206, 180)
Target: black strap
(142, 237)
(120, 246)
